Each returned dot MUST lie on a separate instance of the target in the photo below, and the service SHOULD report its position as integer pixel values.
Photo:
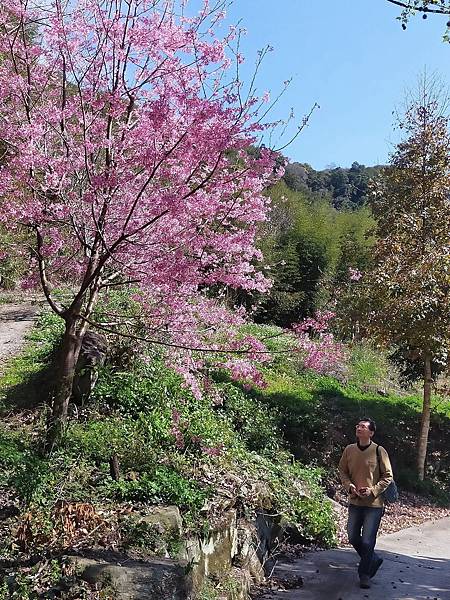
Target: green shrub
(132, 440)
(28, 377)
(149, 395)
(255, 425)
(370, 369)
(13, 448)
(304, 505)
(437, 490)
(162, 485)
(140, 388)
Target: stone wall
(234, 546)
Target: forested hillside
(346, 188)
(309, 246)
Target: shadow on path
(332, 575)
(18, 314)
(419, 570)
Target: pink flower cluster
(318, 349)
(245, 371)
(354, 274)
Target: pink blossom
(317, 347)
(244, 370)
(354, 274)
(135, 173)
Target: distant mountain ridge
(346, 188)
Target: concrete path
(15, 321)
(416, 567)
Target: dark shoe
(364, 582)
(376, 564)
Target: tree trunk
(70, 351)
(114, 467)
(425, 421)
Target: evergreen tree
(410, 282)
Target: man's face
(363, 430)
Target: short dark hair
(372, 424)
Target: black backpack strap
(378, 458)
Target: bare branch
(181, 346)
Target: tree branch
(43, 274)
(181, 346)
(424, 8)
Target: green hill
(273, 449)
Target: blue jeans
(362, 529)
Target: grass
(26, 378)
(318, 414)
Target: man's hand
(364, 492)
(352, 490)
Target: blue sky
(349, 56)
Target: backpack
(390, 494)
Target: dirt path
(15, 321)
(416, 567)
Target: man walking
(365, 473)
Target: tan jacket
(361, 468)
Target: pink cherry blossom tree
(126, 131)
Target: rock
(155, 529)
(337, 508)
(269, 535)
(168, 517)
(248, 551)
(242, 584)
(213, 554)
(93, 354)
(238, 552)
(157, 579)
(262, 496)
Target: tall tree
(127, 131)
(410, 283)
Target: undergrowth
(269, 449)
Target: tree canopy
(127, 134)
(346, 188)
